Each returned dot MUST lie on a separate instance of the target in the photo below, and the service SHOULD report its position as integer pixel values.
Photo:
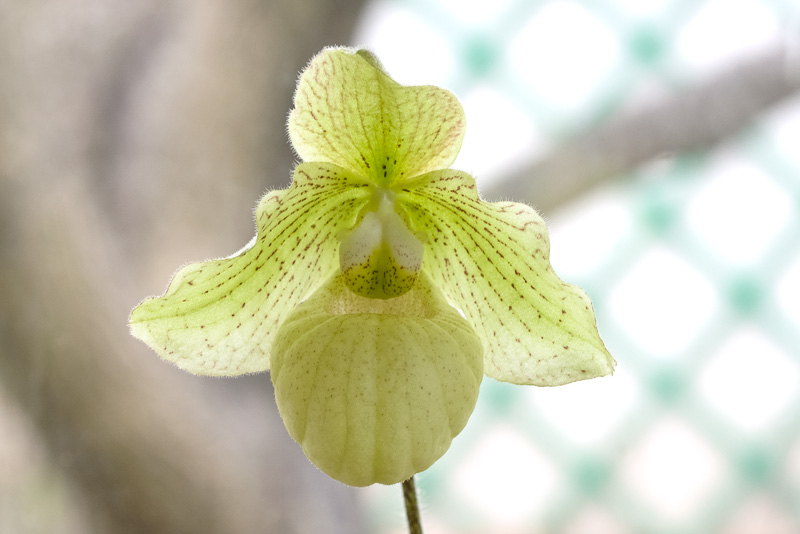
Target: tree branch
(693, 119)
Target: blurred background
(661, 141)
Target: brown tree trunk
(134, 137)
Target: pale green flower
(379, 287)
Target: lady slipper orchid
(380, 287)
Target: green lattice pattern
(726, 333)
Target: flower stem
(412, 508)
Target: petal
(492, 261)
(375, 390)
(349, 112)
(220, 317)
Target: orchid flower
(379, 288)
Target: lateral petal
(220, 317)
(492, 261)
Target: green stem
(412, 508)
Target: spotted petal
(349, 112)
(220, 317)
(492, 261)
